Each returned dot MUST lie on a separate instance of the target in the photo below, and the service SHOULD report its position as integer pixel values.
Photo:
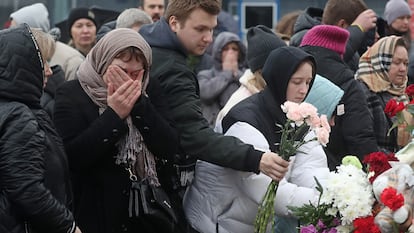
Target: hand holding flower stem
(299, 118)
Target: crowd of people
(153, 123)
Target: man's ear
(174, 24)
(342, 23)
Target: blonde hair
(46, 43)
(258, 80)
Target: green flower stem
(266, 208)
(291, 139)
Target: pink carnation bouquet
(300, 119)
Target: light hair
(347, 10)
(258, 80)
(287, 22)
(181, 9)
(46, 43)
(132, 17)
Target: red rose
(410, 91)
(391, 199)
(393, 107)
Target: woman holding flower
(224, 200)
(383, 73)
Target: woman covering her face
(113, 121)
(383, 73)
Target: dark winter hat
(327, 36)
(261, 40)
(395, 9)
(80, 13)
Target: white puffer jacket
(227, 199)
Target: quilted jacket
(34, 182)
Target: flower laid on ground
(377, 163)
(300, 117)
(349, 192)
(394, 190)
(316, 218)
(355, 201)
(392, 199)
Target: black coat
(181, 88)
(353, 133)
(101, 186)
(34, 176)
(312, 17)
(47, 101)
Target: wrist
(359, 26)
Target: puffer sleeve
(255, 185)
(22, 144)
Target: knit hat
(80, 13)
(395, 9)
(327, 36)
(261, 40)
(324, 95)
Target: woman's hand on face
(122, 99)
(115, 75)
(230, 61)
(77, 230)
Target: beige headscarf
(132, 150)
(373, 70)
(375, 63)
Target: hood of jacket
(159, 34)
(21, 67)
(279, 67)
(263, 110)
(36, 16)
(310, 17)
(222, 40)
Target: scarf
(132, 151)
(374, 65)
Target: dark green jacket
(181, 89)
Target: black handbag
(152, 204)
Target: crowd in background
(164, 120)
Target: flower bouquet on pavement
(345, 202)
(355, 201)
(393, 187)
(300, 118)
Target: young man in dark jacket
(187, 29)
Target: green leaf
(410, 108)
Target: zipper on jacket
(26, 227)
